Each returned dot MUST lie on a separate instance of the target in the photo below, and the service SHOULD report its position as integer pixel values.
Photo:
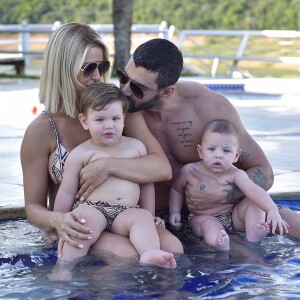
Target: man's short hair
(160, 56)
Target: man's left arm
(254, 162)
(252, 159)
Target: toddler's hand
(274, 218)
(174, 220)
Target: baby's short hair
(220, 126)
(97, 96)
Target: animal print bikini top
(56, 167)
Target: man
(176, 112)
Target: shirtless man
(176, 112)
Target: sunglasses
(135, 88)
(90, 68)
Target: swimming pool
(269, 270)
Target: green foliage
(188, 14)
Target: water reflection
(270, 269)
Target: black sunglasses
(89, 68)
(135, 88)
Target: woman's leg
(168, 241)
(96, 221)
(117, 244)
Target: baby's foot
(158, 258)
(258, 232)
(222, 241)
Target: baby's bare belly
(117, 191)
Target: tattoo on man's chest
(183, 129)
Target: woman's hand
(70, 228)
(91, 176)
(159, 222)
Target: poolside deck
(269, 109)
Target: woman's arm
(177, 198)
(147, 197)
(34, 160)
(152, 167)
(66, 194)
(35, 152)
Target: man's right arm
(155, 165)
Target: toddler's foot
(158, 258)
(258, 232)
(222, 241)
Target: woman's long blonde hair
(63, 58)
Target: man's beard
(133, 107)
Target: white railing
(23, 45)
(200, 46)
(285, 41)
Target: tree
(122, 20)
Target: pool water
(269, 270)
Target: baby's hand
(174, 220)
(160, 222)
(274, 217)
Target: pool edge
(12, 212)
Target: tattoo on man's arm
(259, 178)
(243, 157)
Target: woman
(76, 57)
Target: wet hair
(63, 57)
(160, 56)
(97, 96)
(220, 126)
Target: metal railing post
(239, 53)
(25, 42)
